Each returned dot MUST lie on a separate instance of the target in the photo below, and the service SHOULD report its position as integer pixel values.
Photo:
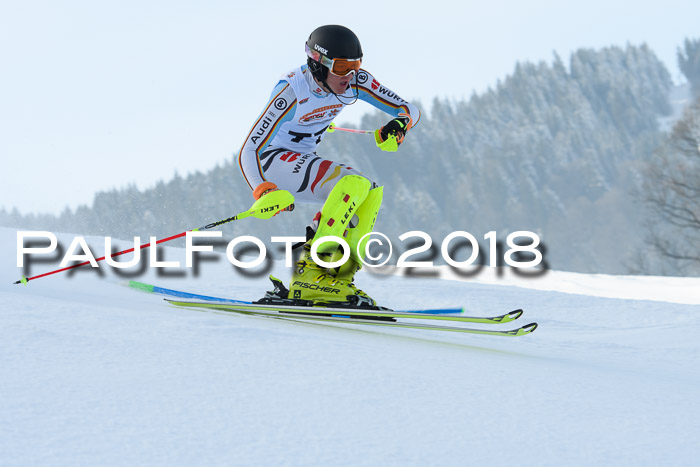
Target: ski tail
(178, 293)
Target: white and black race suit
(281, 146)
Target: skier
(280, 153)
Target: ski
(142, 286)
(350, 312)
(342, 316)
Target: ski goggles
(337, 66)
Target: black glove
(397, 127)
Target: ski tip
(508, 317)
(515, 314)
(528, 328)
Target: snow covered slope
(92, 372)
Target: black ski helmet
(332, 41)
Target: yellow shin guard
(367, 216)
(342, 204)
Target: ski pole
(264, 208)
(332, 128)
(390, 144)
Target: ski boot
(311, 282)
(345, 274)
(280, 296)
(322, 287)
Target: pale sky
(96, 95)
